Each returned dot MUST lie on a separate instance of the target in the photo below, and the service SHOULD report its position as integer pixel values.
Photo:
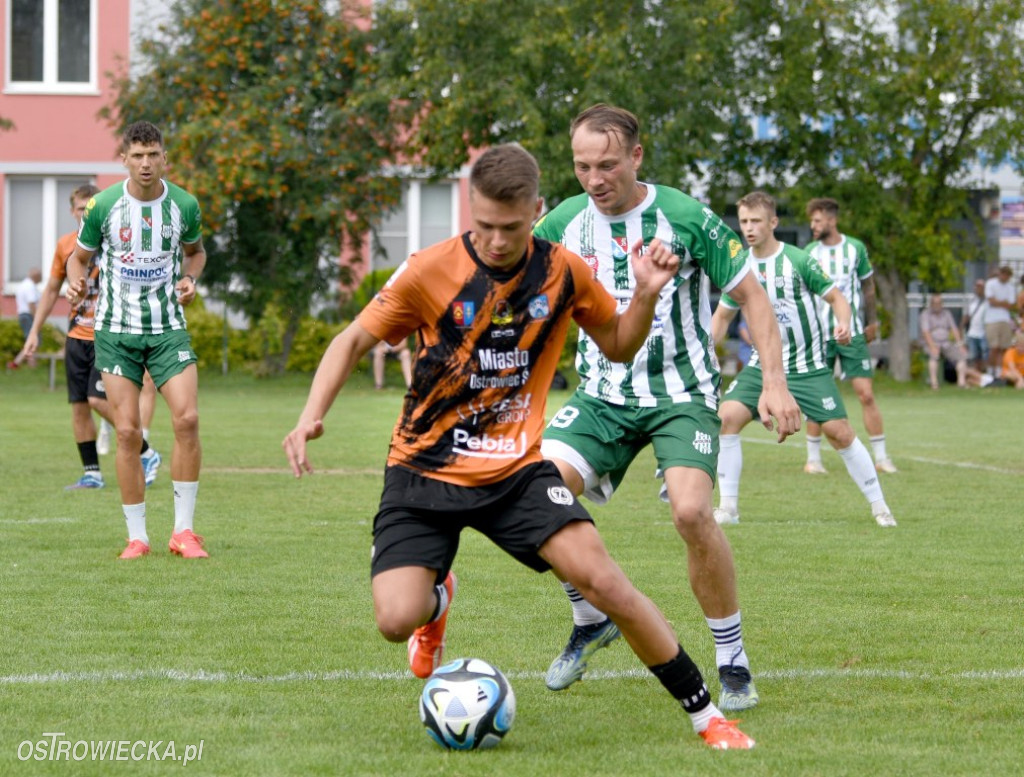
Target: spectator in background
(974, 326)
(1020, 304)
(999, 316)
(26, 297)
(1013, 362)
(942, 339)
(400, 352)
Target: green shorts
(854, 359)
(815, 392)
(600, 440)
(164, 355)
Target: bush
(11, 339)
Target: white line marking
(19, 521)
(924, 460)
(201, 676)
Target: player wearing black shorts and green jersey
(845, 259)
(667, 396)
(794, 282)
(146, 235)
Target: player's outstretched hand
(76, 292)
(842, 335)
(779, 410)
(295, 445)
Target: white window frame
(50, 213)
(50, 84)
(413, 217)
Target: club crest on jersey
(166, 232)
(780, 282)
(591, 262)
(147, 222)
(538, 307)
(502, 313)
(463, 313)
(125, 233)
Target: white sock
(814, 448)
(862, 470)
(878, 447)
(184, 504)
(145, 435)
(583, 612)
(728, 634)
(730, 467)
(701, 719)
(135, 517)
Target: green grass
(877, 652)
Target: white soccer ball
(467, 704)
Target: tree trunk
(892, 293)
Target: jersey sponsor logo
(147, 222)
(560, 495)
(144, 274)
(464, 313)
(125, 233)
(502, 313)
(591, 262)
(489, 447)
(538, 307)
(702, 443)
(492, 359)
(499, 381)
(507, 410)
(828, 403)
(620, 248)
(128, 258)
(735, 246)
(781, 313)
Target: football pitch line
(345, 675)
(926, 460)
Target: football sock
(442, 602)
(683, 680)
(135, 517)
(145, 447)
(862, 470)
(87, 453)
(728, 634)
(583, 612)
(730, 466)
(184, 504)
(878, 447)
(814, 448)
(145, 435)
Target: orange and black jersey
(487, 346)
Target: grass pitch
(876, 652)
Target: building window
(38, 212)
(51, 46)
(427, 214)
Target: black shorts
(84, 380)
(420, 518)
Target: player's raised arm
(340, 358)
(623, 335)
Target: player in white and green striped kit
(794, 282)
(845, 259)
(146, 235)
(667, 397)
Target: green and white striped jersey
(847, 264)
(139, 253)
(795, 283)
(677, 362)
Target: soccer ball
(467, 704)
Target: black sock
(145, 446)
(683, 680)
(87, 453)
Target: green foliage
(11, 339)
(273, 121)
(371, 283)
(493, 72)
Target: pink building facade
(57, 58)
